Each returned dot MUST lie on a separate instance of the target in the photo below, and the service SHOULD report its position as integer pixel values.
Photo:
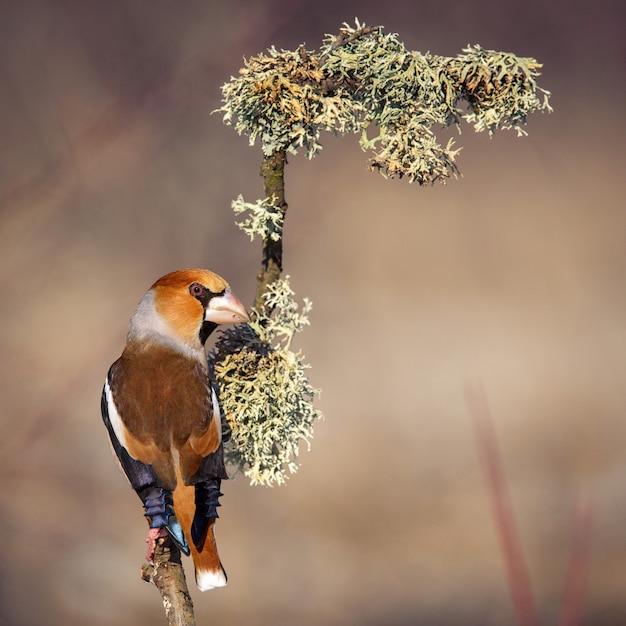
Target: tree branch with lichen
(360, 81)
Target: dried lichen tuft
(265, 393)
(500, 88)
(279, 98)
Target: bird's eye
(196, 290)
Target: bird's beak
(226, 309)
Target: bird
(162, 415)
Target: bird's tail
(209, 570)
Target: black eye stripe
(203, 294)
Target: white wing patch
(217, 414)
(114, 417)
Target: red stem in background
(573, 605)
(519, 582)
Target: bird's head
(183, 308)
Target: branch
(166, 573)
(273, 173)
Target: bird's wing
(139, 474)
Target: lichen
(263, 218)
(363, 79)
(265, 393)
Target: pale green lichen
(263, 218)
(363, 78)
(266, 395)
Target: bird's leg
(159, 507)
(207, 500)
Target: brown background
(113, 172)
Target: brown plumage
(162, 416)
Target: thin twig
(345, 37)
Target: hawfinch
(163, 417)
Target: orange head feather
(178, 304)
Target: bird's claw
(160, 512)
(175, 530)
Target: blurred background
(113, 172)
